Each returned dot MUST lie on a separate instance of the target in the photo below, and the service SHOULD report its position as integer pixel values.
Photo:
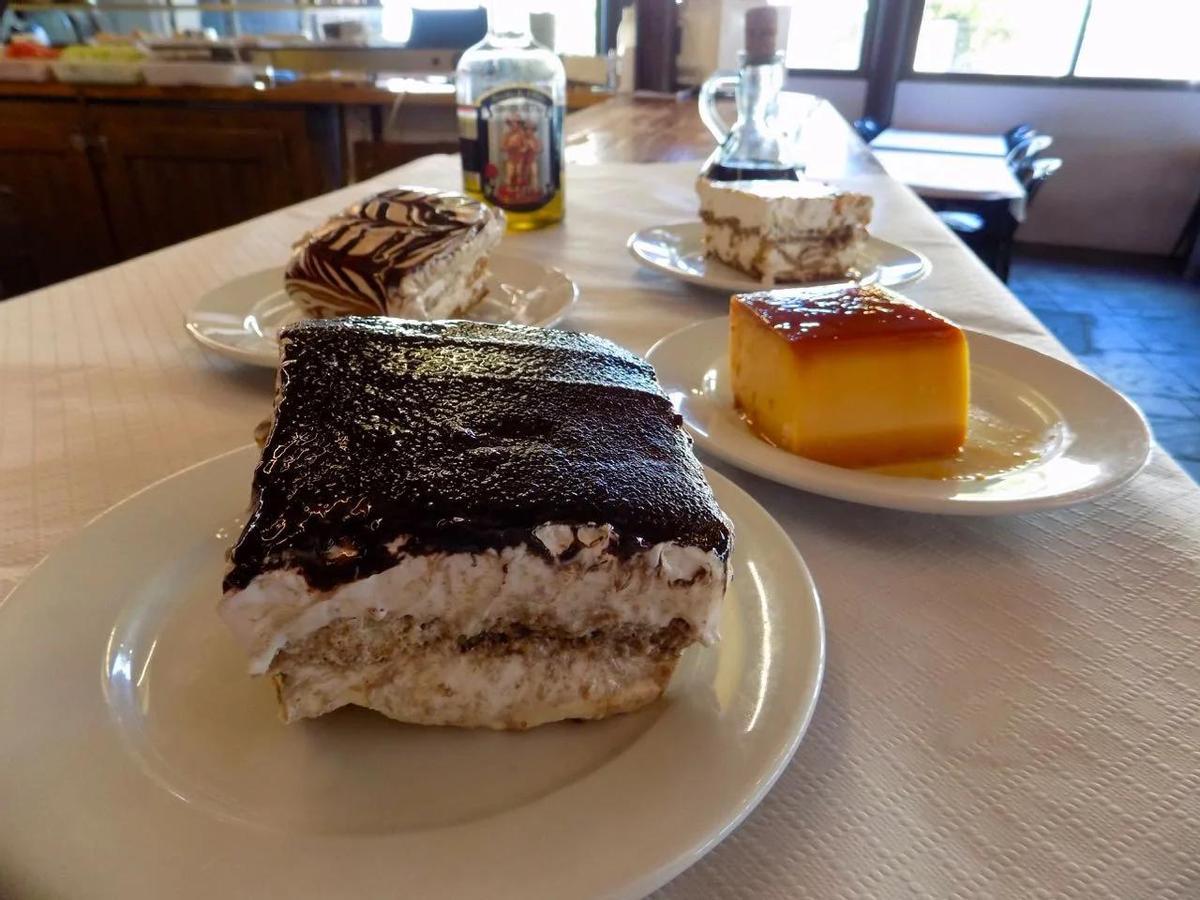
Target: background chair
(990, 228)
(868, 129)
(1016, 134)
(1187, 247)
(1028, 148)
(1032, 173)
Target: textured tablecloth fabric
(1011, 706)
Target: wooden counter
(384, 92)
(628, 129)
(183, 161)
(91, 174)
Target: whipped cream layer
(450, 286)
(786, 260)
(581, 587)
(779, 210)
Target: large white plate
(678, 250)
(1089, 438)
(138, 759)
(241, 319)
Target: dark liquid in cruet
(719, 172)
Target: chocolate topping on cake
(463, 436)
(369, 248)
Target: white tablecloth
(940, 142)
(1011, 707)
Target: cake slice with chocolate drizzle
(415, 253)
(457, 523)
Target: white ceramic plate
(140, 761)
(242, 317)
(1081, 438)
(678, 250)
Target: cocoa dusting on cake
(463, 436)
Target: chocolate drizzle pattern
(367, 250)
(463, 436)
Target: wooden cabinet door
(171, 173)
(52, 222)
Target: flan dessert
(852, 375)
(457, 523)
(410, 252)
(784, 231)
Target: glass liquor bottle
(511, 95)
(755, 147)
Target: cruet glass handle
(720, 83)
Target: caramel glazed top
(463, 436)
(368, 248)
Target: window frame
(864, 63)
(1071, 80)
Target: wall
(712, 34)
(1131, 168)
(846, 94)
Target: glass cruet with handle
(755, 146)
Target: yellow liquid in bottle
(550, 214)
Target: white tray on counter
(24, 69)
(81, 71)
(211, 74)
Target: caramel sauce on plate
(993, 447)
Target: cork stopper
(762, 26)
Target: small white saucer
(242, 317)
(678, 251)
(1085, 438)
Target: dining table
(1010, 705)
(952, 142)
(952, 176)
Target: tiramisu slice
(784, 231)
(465, 524)
(410, 252)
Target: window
(1011, 37)
(1060, 38)
(573, 24)
(1147, 39)
(825, 35)
(567, 26)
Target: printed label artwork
(518, 133)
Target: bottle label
(512, 148)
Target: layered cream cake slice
(784, 231)
(853, 376)
(410, 252)
(456, 523)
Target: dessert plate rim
(753, 700)
(911, 265)
(222, 319)
(1105, 440)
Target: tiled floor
(1131, 320)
